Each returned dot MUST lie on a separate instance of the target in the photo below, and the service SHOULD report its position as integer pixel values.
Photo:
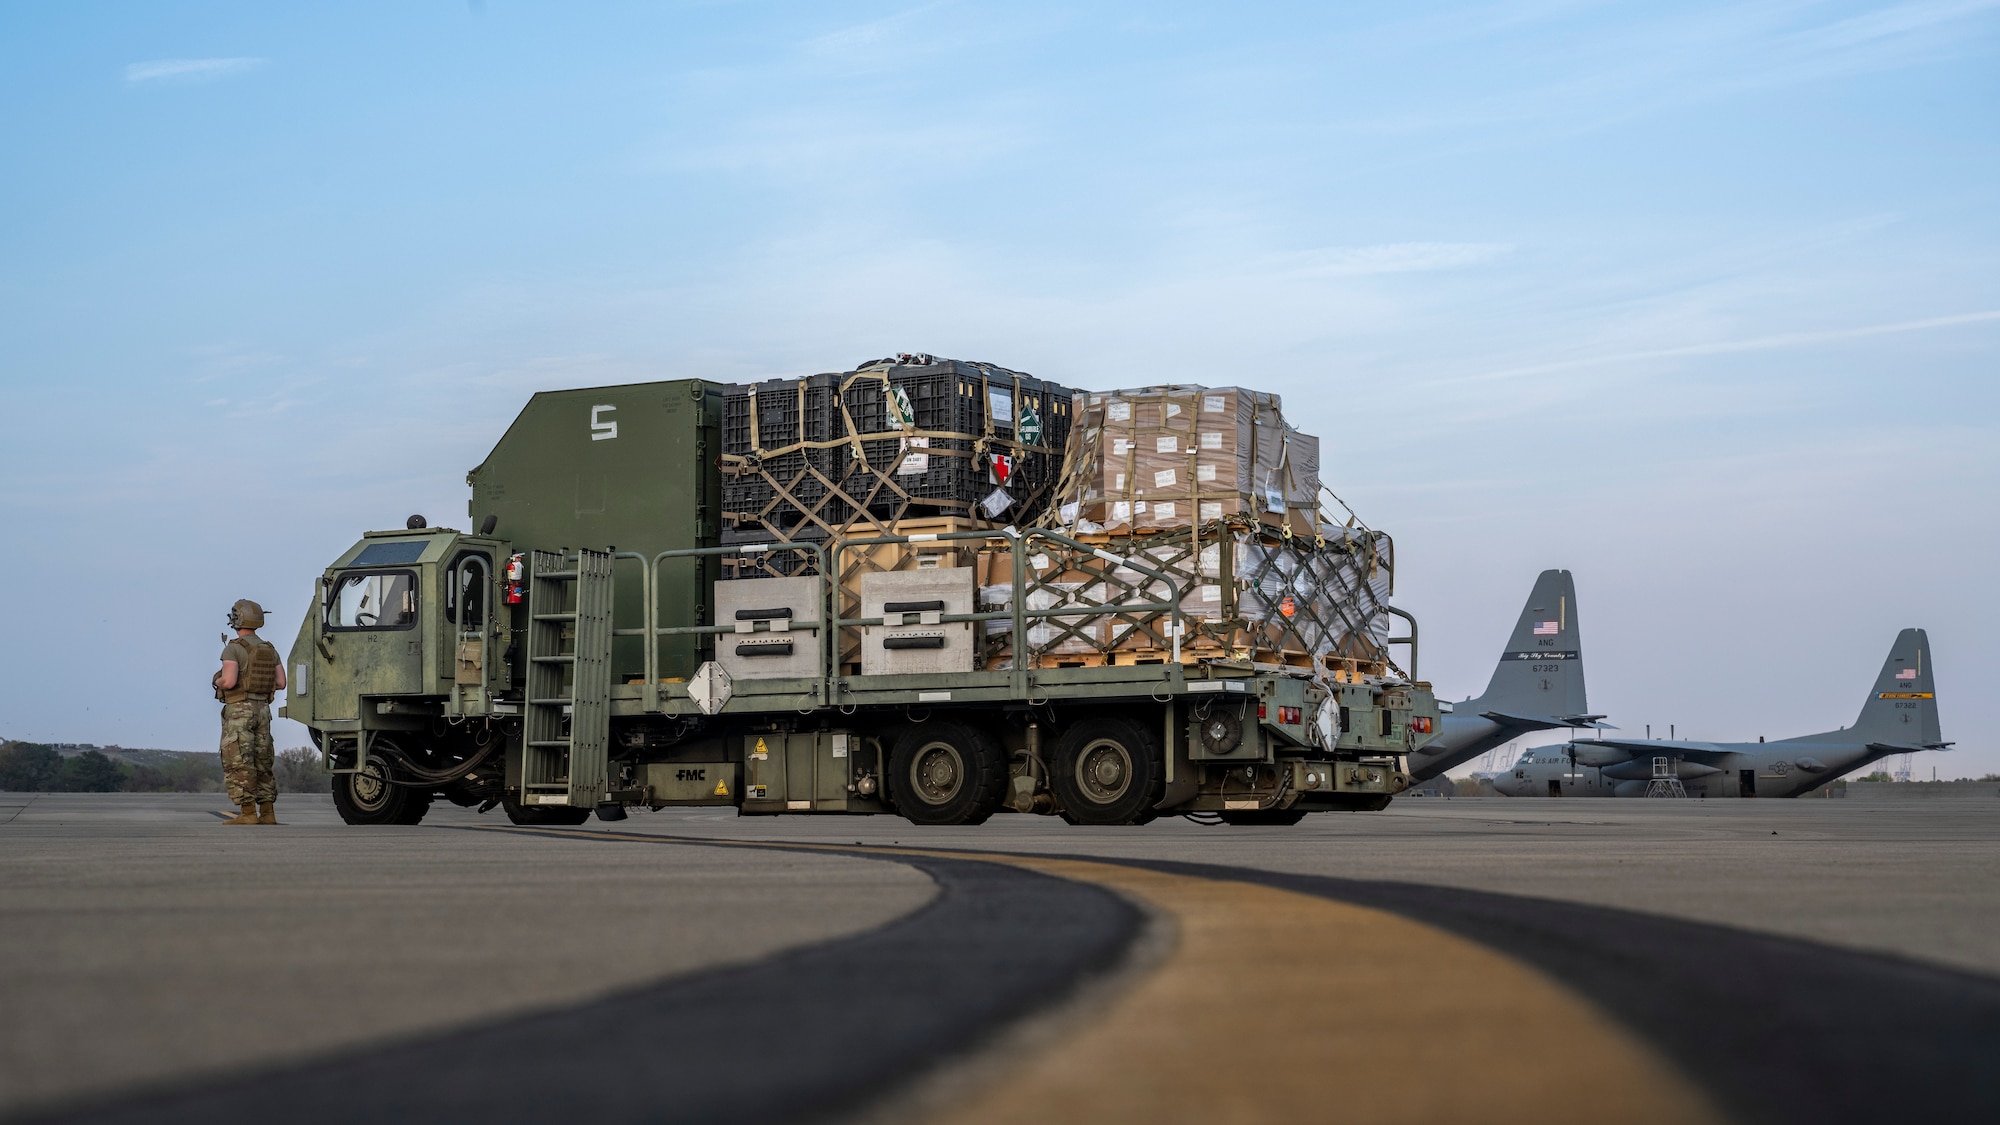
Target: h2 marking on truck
(600, 429)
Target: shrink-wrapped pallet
(1245, 593)
(1171, 456)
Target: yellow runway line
(1278, 1006)
(1275, 1006)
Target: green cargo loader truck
(583, 652)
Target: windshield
(381, 600)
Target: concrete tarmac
(1918, 880)
(142, 943)
(147, 947)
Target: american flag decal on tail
(1546, 628)
(1907, 674)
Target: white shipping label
(1118, 482)
(1118, 411)
(1211, 509)
(1139, 507)
(1211, 593)
(1121, 510)
(1163, 478)
(1120, 446)
(1212, 440)
(1204, 473)
(1214, 404)
(1164, 510)
(1173, 410)
(1068, 511)
(915, 463)
(1274, 501)
(1000, 405)
(840, 746)
(1170, 443)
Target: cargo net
(858, 453)
(1246, 595)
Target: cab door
(370, 639)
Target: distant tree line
(31, 767)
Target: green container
(629, 468)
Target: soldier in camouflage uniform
(251, 672)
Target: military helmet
(246, 614)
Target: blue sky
(1699, 301)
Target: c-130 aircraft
(1899, 717)
(1538, 684)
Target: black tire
(943, 772)
(1360, 802)
(1107, 771)
(370, 797)
(1264, 817)
(542, 815)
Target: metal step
(578, 764)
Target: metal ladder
(561, 767)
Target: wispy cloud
(1753, 344)
(1395, 257)
(188, 70)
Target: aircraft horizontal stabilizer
(1892, 748)
(1545, 722)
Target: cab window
(377, 600)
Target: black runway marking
(1775, 1029)
(803, 1035)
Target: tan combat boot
(247, 816)
(267, 813)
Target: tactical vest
(257, 676)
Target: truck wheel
(1252, 817)
(541, 814)
(947, 773)
(368, 797)
(1107, 771)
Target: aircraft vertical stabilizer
(1540, 675)
(1902, 708)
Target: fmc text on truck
(596, 646)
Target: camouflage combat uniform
(246, 721)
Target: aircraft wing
(1649, 748)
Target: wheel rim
(1104, 771)
(937, 772)
(370, 786)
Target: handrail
(1411, 640)
(1017, 611)
(653, 631)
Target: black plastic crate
(944, 396)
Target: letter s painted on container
(599, 428)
